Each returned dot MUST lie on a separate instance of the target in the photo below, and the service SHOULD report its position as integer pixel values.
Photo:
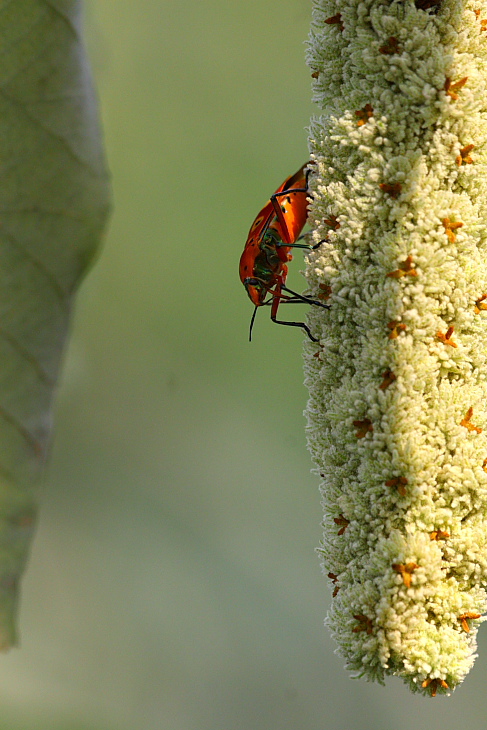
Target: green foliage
(53, 205)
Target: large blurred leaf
(53, 204)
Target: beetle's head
(256, 289)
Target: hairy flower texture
(398, 390)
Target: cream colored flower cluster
(398, 383)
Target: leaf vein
(26, 355)
(55, 286)
(28, 437)
(65, 18)
(62, 141)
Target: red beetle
(263, 264)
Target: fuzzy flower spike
(398, 383)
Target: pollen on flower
(428, 4)
(466, 422)
(450, 228)
(392, 189)
(388, 378)
(464, 157)
(451, 89)
(399, 483)
(406, 268)
(433, 685)
(406, 571)
(332, 221)
(335, 20)
(396, 328)
(325, 292)
(364, 115)
(391, 47)
(364, 624)
(446, 338)
(466, 617)
(479, 305)
(334, 578)
(363, 427)
(483, 25)
(342, 522)
(439, 535)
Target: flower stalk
(397, 420)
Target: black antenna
(252, 324)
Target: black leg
(296, 245)
(296, 324)
(306, 300)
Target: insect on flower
(263, 264)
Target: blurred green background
(173, 583)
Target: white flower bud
(398, 384)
